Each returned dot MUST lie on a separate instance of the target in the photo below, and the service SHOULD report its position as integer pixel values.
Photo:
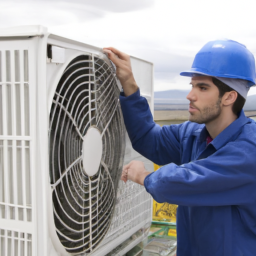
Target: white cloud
(63, 12)
(170, 33)
(167, 33)
(13, 13)
(116, 5)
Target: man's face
(205, 104)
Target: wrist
(142, 177)
(130, 87)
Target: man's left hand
(135, 171)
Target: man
(210, 161)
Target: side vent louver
(15, 167)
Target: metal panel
(143, 74)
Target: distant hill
(171, 100)
(176, 100)
(171, 94)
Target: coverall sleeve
(159, 144)
(227, 177)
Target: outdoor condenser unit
(62, 147)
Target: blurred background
(166, 32)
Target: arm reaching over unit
(123, 69)
(147, 138)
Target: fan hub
(92, 151)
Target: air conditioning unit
(62, 147)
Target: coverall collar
(226, 135)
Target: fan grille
(86, 96)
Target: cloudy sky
(166, 32)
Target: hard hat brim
(192, 73)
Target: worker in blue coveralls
(209, 161)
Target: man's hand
(135, 171)
(123, 69)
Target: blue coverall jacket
(214, 185)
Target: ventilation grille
(86, 96)
(15, 243)
(133, 207)
(15, 170)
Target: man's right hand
(123, 69)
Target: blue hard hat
(224, 58)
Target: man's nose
(191, 96)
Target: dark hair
(223, 88)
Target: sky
(166, 32)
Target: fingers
(117, 57)
(124, 176)
(119, 54)
(126, 167)
(113, 57)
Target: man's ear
(229, 98)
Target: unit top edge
(23, 31)
(99, 49)
(38, 30)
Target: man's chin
(191, 118)
(194, 119)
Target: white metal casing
(28, 81)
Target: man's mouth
(192, 108)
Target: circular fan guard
(86, 96)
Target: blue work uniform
(214, 185)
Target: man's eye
(203, 88)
